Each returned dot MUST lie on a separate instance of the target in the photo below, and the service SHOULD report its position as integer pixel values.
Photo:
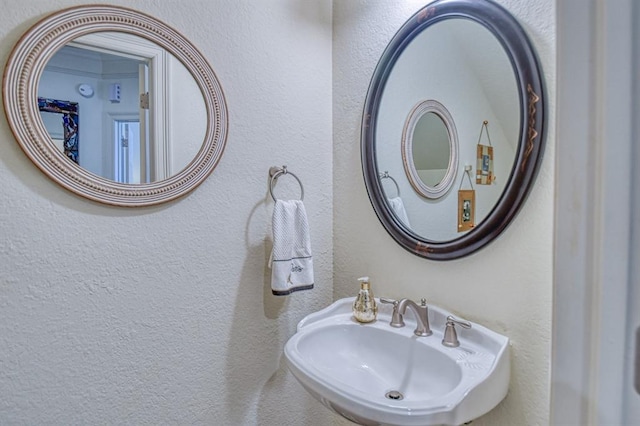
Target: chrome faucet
(450, 335)
(396, 318)
(421, 312)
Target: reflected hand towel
(398, 208)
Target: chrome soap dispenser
(364, 307)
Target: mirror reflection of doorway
(128, 77)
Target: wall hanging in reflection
(466, 204)
(484, 168)
(61, 121)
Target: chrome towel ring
(275, 173)
(386, 175)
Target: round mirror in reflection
(430, 149)
(122, 107)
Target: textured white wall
(506, 286)
(164, 315)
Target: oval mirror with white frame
(115, 106)
(430, 149)
(474, 58)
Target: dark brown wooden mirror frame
(530, 147)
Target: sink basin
(374, 374)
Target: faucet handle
(450, 335)
(396, 317)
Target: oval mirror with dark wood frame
(176, 85)
(436, 55)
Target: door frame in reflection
(130, 160)
(154, 78)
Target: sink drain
(394, 395)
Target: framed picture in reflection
(61, 121)
(466, 209)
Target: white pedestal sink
(374, 374)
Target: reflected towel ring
(386, 175)
(275, 173)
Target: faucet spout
(421, 312)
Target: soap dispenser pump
(364, 307)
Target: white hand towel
(398, 208)
(291, 260)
